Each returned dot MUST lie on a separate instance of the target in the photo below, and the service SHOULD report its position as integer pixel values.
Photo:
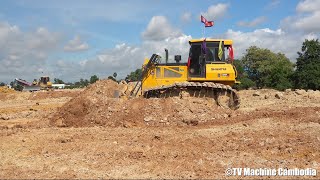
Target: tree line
(70, 85)
(83, 82)
(262, 68)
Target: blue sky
(76, 38)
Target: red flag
(189, 62)
(203, 19)
(231, 53)
(206, 22)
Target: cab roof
(226, 41)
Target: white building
(58, 86)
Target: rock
(184, 95)
(300, 91)
(278, 95)
(287, 90)
(191, 122)
(225, 116)
(266, 96)
(127, 124)
(194, 122)
(257, 93)
(4, 117)
(148, 118)
(112, 109)
(165, 119)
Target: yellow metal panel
(226, 41)
(220, 72)
(156, 81)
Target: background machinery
(206, 74)
(43, 83)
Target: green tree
(93, 79)
(18, 87)
(82, 83)
(134, 76)
(242, 76)
(268, 69)
(307, 74)
(77, 84)
(2, 84)
(57, 81)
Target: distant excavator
(207, 73)
(43, 83)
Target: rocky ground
(90, 134)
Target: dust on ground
(91, 134)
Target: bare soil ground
(90, 134)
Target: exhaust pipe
(167, 55)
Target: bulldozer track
(197, 89)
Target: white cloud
(186, 17)
(159, 28)
(24, 54)
(273, 4)
(308, 6)
(275, 40)
(75, 45)
(255, 22)
(215, 12)
(124, 58)
(307, 18)
(309, 23)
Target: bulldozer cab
(204, 52)
(44, 79)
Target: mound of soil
(53, 94)
(97, 106)
(5, 89)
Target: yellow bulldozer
(208, 73)
(44, 83)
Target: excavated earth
(99, 133)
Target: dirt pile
(5, 92)
(100, 105)
(54, 94)
(262, 98)
(97, 106)
(5, 89)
